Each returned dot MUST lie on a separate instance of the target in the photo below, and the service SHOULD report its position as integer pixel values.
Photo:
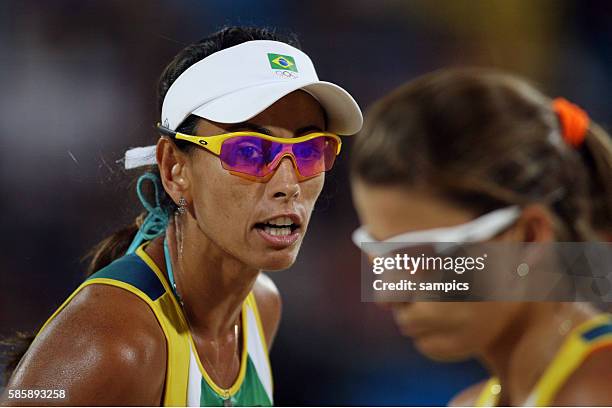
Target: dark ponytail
(596, 153)
(112, 247)
(116, 245)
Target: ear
(534, 225)
(173, 163)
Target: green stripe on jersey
(251, 392)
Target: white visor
(237, 83)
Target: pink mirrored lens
(315, 156)
(259, 157)
(246, 154)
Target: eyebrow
(249, 126)
(260, 129)
(308, 129)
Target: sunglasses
(442, 239)
(256, 156)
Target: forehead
(392, 210)
(297, 107)
(294, 111)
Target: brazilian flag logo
(285, 62)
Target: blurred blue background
(78, 84)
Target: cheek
(213, 188)
(453, 338)
(311, 189)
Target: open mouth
(279, 226)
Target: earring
(182, 204)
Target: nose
(284, 184)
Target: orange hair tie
(574, 121)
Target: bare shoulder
(469, 396)
(269, 304)
(105, 347)
(589, 385)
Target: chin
(441, 348)
(279, 264)
(278, 260)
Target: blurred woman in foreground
(454, 145)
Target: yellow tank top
(579, 344)
(186, 382)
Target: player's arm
(269, 305)
(104, 348)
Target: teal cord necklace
(154, 225)
(171, 273)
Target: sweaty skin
(509, 334)
(107, 348)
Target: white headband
(481, 228)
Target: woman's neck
(523, 351)
(211, 283)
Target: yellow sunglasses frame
(213, 143)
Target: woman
(176, 310)
(456, 145)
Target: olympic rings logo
(286, 74)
